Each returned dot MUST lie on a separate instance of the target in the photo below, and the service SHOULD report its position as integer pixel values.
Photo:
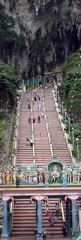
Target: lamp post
(65, 116)
(73, 135)
(69, 126)
(33, 81)
(77, 139)
(38, 79)
(55, 88)
(54, 84)
(62, 109)
(58, 97)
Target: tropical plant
(10, 41)
(71, 86)
(70, 93)
(9, 83)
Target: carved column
(39, 218)
(6, 219)
(74, 216)
(67, 218)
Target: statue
(70, 175)
(39, 175)
(46, 177)
(7, 176)
(64, 177)
(0, 177)
(55, 174)
(14, 176)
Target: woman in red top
(51, 218)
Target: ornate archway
(55, 169)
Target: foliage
(38, 43)
(71, 86)
(59, 2)
(9, 83)
(8, 36)
(68, 15)
(2, 126)
(10, 41)
(12, 4)
(77, 234)
(37, 54)
(11, 139)
(77, 135)
(70, 93)
(70, 2)
(21, 42)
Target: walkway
(41, 143)
(24, 152)
(33, 238)
(59, 144)
(40, 155)
(42, 148)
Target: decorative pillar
(67, 219)
(6, 220)
(39, 217)
(74, 216)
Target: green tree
(10, 41)
(71, 85)
(70, 93)
(8, 36)
(9, 83)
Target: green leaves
(9, 82)
(71, 85)
(21, 42)
(10, 41)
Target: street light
(65, 116)
(33, 81)
(62, 109)
(77, 139)
(54, 84)
(73, 135)
(69, 126)
(58, 97)
(38, 79)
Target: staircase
(42, 148)
(24, 220)
(59, 144)
(24, 152)
(57, 229)
(24, 216)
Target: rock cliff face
(52, 29)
